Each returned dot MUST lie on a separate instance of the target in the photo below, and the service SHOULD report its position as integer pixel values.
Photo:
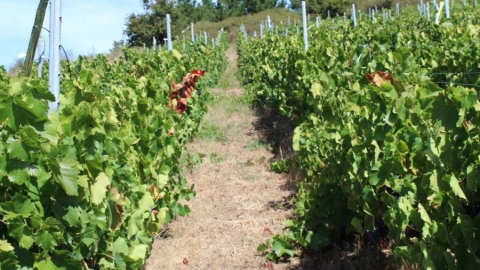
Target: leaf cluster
(402, 154)
(90, 186)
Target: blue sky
(88, 25)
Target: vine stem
(108, 256)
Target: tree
(207, 11)
(321, 7)
(143, 27)
(36, 30)
(255, 6)
(243, 7)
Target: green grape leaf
(46, 264)
(19, 205)
(16, 150)
(72, 217)
(29, 136)
(46, 239)
(445, 111)
(18, 177)
(121, 246)
(21, 233)
(138, 252)
(68, 176)
(457, 190)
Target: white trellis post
(169, 34)
(54, 67)
(183, 42)
(193, 32)
(427, 11)
(354, 17)
(41, 55)
(154, 43)
(447, 9)
(305, 28)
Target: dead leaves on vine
(181, 91)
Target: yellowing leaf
(379, 78)
(316, 87)
(146, 203)
(296, 139)
(5, 246)
(176, 54)
(162, 180)
(99, 189)
(169, 151)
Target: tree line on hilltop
(141, 28)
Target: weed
(256, 145)
(211, 132)
(215, 159)
(282, 166)
(190, 161)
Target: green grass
(211, 132)
(256, 145)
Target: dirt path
(236, 207)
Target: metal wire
(464, 84)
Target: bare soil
(239, 200)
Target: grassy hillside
(252, 22)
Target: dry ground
(236, 207)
